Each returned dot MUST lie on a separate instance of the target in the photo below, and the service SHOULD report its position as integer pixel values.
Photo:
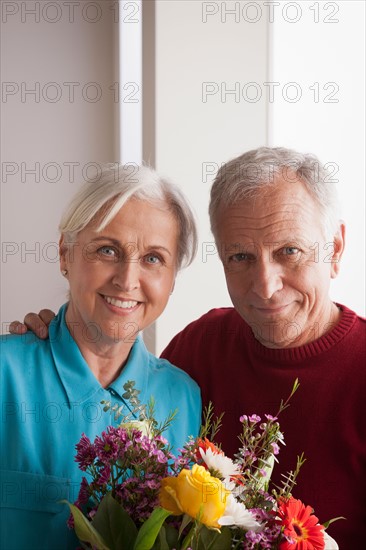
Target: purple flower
(160, 456)
(104, 475)
(85, 453)
(84, 493)
(275, 448)
(254, 418)
(107, 446)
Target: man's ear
(339, 243)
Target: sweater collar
(307, 351)
(79, 382)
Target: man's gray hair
(101, 199)
(245, 176)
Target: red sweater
(327, 416)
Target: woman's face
(121, 277)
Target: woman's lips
(120, 305)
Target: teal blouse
(49, 397)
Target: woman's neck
(105, 358)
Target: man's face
(278, 264)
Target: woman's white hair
(100, 200)
(244, 176)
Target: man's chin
(277, 333)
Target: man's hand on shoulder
(36, 323)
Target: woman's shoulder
(173, 374)
(18, 349)
(21, 344)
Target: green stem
(194, 531)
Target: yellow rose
(196, 493)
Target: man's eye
(290, 250)
(290, 253)
(240, 257)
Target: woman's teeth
(119, 303)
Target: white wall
(256, 49)
(57, 125)
(196, 131)
(196, 43)
(326, 47)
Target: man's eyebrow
(117, 243)
(273, 242)
(291, 240)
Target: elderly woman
(123, 240)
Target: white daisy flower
(330, 544)
(236, 514)
(222, 464)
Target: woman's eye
(152, 259)
(108, 251)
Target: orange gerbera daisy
(205, 444)
(301, 527)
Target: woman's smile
(124, 272)
(121, 305)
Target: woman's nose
(127, 275)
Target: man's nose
(127, 275)
(267, 278)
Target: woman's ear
(62, 249)
(338, 243)
(172, 290)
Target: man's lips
(272, 310)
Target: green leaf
(84, 529)
(167, 538)
(161, 542)
(185, 521)
(171, 535)
(150, 529)
(114, 524)
(212, 539)
(327, 523)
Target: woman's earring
(64, 272)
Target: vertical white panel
(130, 63)
(211, 63)
(318, 65)
(57, 126)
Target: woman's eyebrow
(118, 243)
(106, 238)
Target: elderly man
(275, 221)
(276, 226)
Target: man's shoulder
(214, 319)
(215, 327)
(351, 322)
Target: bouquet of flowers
(138, 496)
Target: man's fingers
(46, 315)
(35, 323)
(16, 327)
